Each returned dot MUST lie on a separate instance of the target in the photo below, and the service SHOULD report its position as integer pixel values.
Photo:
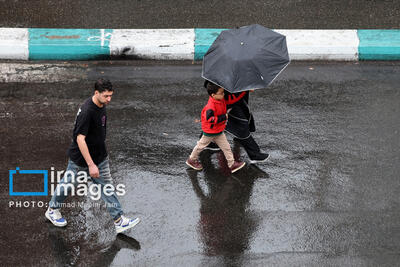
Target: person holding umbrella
(243, 60)
(240, 125)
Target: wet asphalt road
(128, 14)
(329, 195)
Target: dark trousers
(250, 145)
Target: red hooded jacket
(213, 115)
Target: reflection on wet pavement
(67, 253)
(226, 223)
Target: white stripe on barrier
(175, 44)
(322, 44)
(14, 43)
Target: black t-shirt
(91, 121)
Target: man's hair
(212, 88)
(102, 85)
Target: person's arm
(93, 170)
(211, 118)
(233, 98)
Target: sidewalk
(187, 44)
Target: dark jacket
(241, 121)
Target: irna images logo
(69, 183)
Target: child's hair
(212, 88)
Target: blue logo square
(17, 170)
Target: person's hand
(94, 171)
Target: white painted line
(172, 44)
(322, 44)
(14, 43)
(102, 38)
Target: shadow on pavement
(226, 224)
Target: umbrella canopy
(250, 57)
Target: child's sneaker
(237, 165)
(195, 164)
(55, 217)
(125, 223)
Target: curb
(187, 44)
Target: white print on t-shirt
(77, 114)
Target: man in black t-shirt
(88, 154)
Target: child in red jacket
(213, 121)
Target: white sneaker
(54, 215)
(125, 224)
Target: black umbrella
(250, 57)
